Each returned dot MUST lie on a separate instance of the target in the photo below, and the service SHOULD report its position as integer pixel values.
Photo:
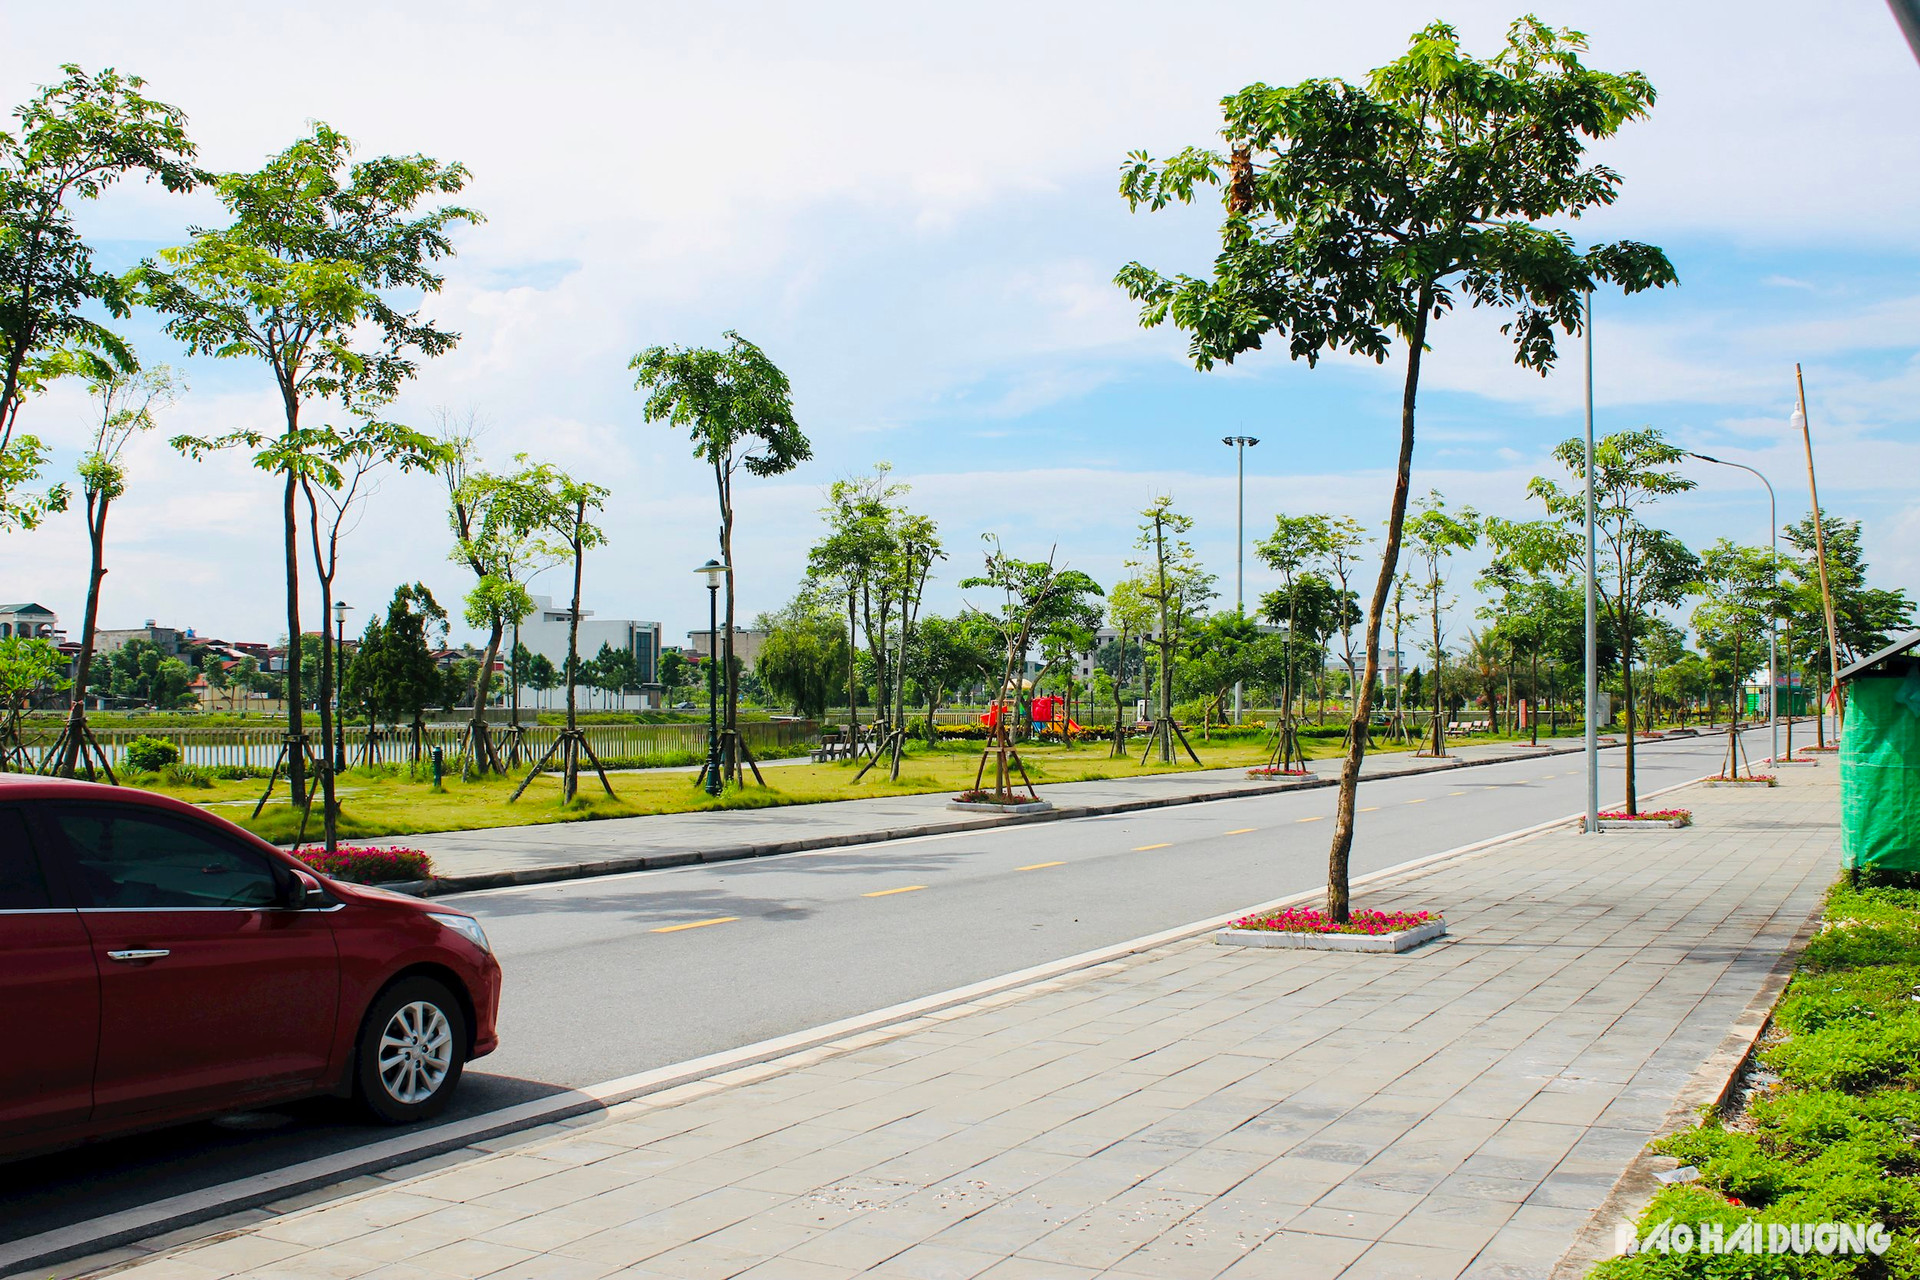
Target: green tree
(948, 654)
(141, 671)
(542, 676)
(1436, 534)
(1035, 596)
(74, 139)
(1357, 214)
(126, 403)
(1178, 587)
(28, 665)
(493, 518)
(1637, 567)
(803, 656)
(673, 671)
(394, 673)
(1865, 618)
(1296, 546)
(312, 278)
(738, 407)
(558, 506)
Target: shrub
(146, 754)
(369, 864)
(185, 775)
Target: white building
(545, 632)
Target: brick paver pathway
(1194, 1111)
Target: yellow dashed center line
(1372, 808)
(1243, 831)
(1456, 793)
(1315, 818)
(694, 924)
(882, 893)
(1419, 800)
(1040, 866)
(1142, 848)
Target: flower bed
(1758, 779)
(1312, 920)
(1683, 816)
(1271, 771)
(369, 865)
(1819, 751)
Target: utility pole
(1820, 555)
(1239, 445)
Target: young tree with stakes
(738, 407)
(1035, 596)
(561, 515)
(306, 279)
(1358, 214)
(1436, 534)
(126, 403)
(1178, 588)
(1637, 566)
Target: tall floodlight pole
(1239, 445)
(1593, 611)
(1773, 623)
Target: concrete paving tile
(1297, 1255)
(1395, 1261)
(465, 1259)
(553, 1266)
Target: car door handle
(135, 957)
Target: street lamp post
(1592, 638)
(340, 608)
(1239, 444)
(715, 572)
(1773, 624)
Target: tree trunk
(729, 722)
(296, 756)
(570, 772)
(485, 758)
(69, 762)
(1339, 855)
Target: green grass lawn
(376, 804)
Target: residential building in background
(30, 620)
(746, 645)
(545, 632)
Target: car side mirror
(301, 891)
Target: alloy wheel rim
(416, 1052)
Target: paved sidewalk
(1194, 1111)
(571, 850)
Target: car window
(126, 859)
(22, 885)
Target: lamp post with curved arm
(1773, 653)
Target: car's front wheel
(413, 1044)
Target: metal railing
(250, 747)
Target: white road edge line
(99, 1234)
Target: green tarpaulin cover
(1880, 774)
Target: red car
(159, 964)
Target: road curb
(188, 1209)
(441, 886)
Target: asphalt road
(612, 976)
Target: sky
(914, 211)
